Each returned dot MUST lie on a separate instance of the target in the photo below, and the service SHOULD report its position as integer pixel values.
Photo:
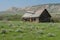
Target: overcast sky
(4, 4)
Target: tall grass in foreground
(18, 30)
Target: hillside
(52, 8)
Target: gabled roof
(33, 14)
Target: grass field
(17, 30)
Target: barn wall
(37, 19)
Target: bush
(40, 32)
(2, 26)
(55, 19)
(3, 31)
(10, 30)
(51, 35)
(18, 30)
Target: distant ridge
(52, 8)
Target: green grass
(29, 31)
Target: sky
(5, 4)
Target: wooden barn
(41, 15)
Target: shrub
(18, 30)
(56, 19)
(40, 32)
(18, 24)
(10, 30)
(10, 25)
(2, 26)
(51, 35)
(3, 31)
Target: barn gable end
(45, 16)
